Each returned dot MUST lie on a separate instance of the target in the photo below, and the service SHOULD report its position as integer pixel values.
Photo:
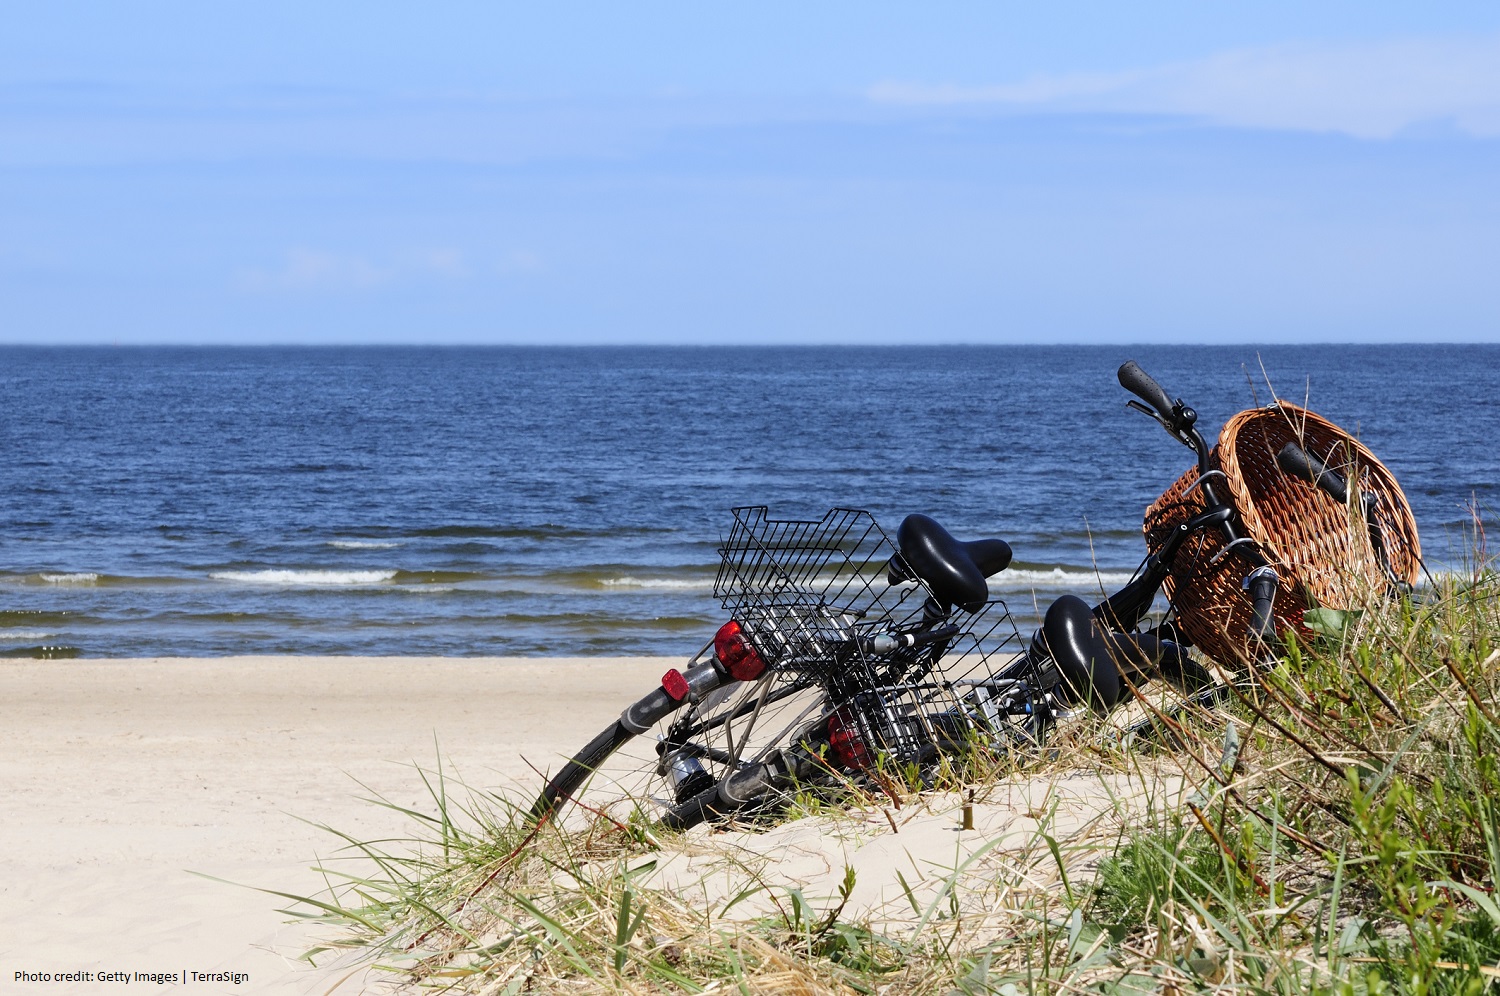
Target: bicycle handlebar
(1125, 608)
(1128, 606)
(1260, 585)
(1177, 418)
(1139, 383)
(883, 643)
(1297, 462)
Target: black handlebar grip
(1139, 383)
(1261, 587)
(1297, 462)
(935, 635)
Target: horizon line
(646, 344)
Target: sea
(200, 502)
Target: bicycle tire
(621, 773)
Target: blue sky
(704, 173)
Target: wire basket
(1321, 550)
(806, 591)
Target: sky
(664, 172)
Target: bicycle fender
(641, 716)
(649, 711)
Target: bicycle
(845, 651)
(848, 655)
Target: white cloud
(315, 270)
(1373, 90)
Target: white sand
(120, 778)
(924, 840)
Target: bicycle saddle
(1085, 655)
(953, 570)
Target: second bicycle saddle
(1072, 637)
(953, 570)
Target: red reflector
(743, 661)
(849, 748)
(675, 685)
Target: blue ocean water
(397, 501)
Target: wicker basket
(1320, 549)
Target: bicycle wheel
(669, 773)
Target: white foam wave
(23, 634)
(1059, 577)
(304, 577)
(363, 544)
(82, 577)
(634, 582)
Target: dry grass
(1333, 828)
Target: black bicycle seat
(1084, 653)
(953, 570)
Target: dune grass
(1339, 832)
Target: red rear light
(849, 748)
(743, 662)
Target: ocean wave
(24, 634)
(37, 617)
(92, 579)
(291, 577)
(364, 544)
(677, 583)
(569, 623)
(622, 577)
(1059, 577)
(545, 531)
(46, 653)
(438, 577)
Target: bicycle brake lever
(1146, 411)
(1177, 432)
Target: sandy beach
(123, 778)
(136, 790)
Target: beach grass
(1333, 827)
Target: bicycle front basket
(1321, 550)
